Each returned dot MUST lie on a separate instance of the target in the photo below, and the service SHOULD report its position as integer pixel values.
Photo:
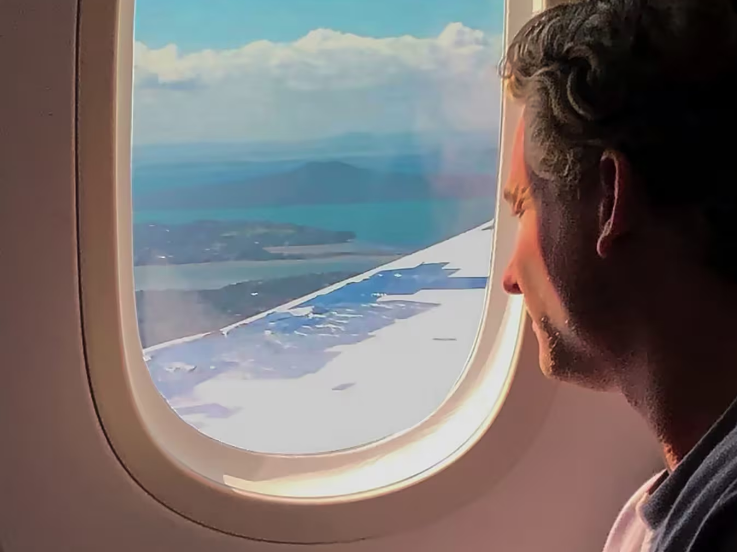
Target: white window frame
(457, 454)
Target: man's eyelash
(519, 203)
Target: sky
(223, 24)
(284, 70)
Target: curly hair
(653, 79)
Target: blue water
(155, 176)
(405, 224)
(402, 226)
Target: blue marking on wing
(209, 410)
(294, 343)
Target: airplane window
(314, 190)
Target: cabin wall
(62, 487)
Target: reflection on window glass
(313, 190)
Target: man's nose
(509, 281)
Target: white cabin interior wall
(61, 486)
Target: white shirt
(630, 533)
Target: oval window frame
(499, 405)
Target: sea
(399, 227)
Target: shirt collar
(664, 492)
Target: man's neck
(682, 407)
(686, 373)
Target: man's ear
(616, 200)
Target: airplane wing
(342, 367)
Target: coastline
(210, 276)
(335, 249)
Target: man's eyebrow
(516, 196)
(511, 195)
(516, 187)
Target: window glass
(314, 185)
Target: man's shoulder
(720, 530)
(716, 531)
(703, 517)
(714, 484)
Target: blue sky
(222, 24)
(285, 70)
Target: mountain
(164, 173)
(457, 162)
(327, 182)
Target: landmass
(317, 183)
(165, 315)
(220, 241)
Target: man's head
(625, 172)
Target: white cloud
(323, 84)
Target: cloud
(325, 83)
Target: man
(625, 185)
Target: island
(317, 183)
(167, 314)
(210, 241)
